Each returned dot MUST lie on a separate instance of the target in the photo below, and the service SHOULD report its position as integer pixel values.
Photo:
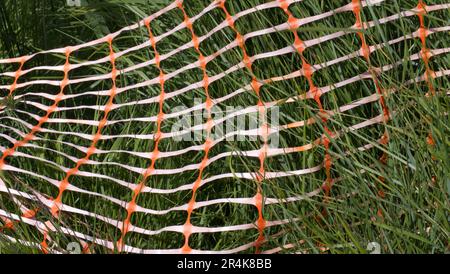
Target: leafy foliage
(411, 188)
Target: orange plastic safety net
(125, 124)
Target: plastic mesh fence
(92, 154)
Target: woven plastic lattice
(117, 174)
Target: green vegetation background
(417, 185)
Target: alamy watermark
(75, 248)
(74, 3)
(253, 123)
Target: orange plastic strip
(64, 184)
(30, 136)
(314, 91)
(17, 76)
(256, 86)
(365, 52)
(131, 208)
(425, 52)
(9, 224)
(187, 231)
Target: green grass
(416, 175)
